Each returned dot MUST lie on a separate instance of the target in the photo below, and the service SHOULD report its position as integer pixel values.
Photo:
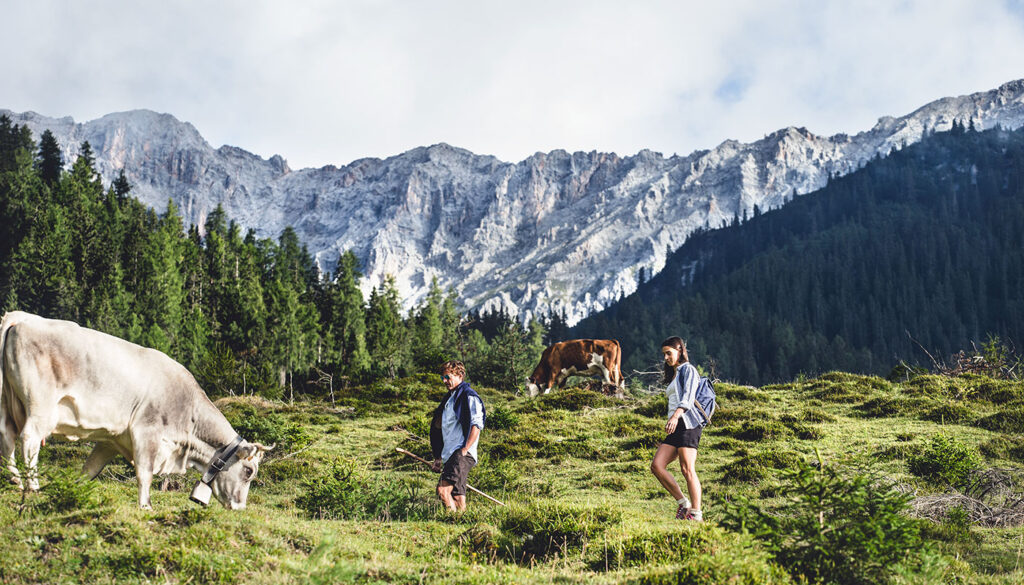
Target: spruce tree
(49, 160)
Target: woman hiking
(684, 428)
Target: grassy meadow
(336, 504)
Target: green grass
(573, 468)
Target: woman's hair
(675, 343)
(454, 367)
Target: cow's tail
(617, 374)
(8, 414)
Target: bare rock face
(558, 231)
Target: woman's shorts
(683, 437)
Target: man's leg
(460, 503)
(444, 492)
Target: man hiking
(454, 435)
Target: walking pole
(424, 461)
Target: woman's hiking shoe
(682, 511)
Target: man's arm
(474, 434)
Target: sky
(328, 82)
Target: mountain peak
(555, 232)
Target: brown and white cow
(62, 379)
(576, 357)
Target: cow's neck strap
(220, 459)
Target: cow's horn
(263, 447)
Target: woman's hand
(670, 427)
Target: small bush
(817, 415)
(998, 391)
(832, 528)
(1004, 447)
(269, 428)
(656, 407)
(510, 450)
(761, 430)
(886, 406)
(67, 489)
(1009, 420)
(543, 531)
(899, 452)
(629, 425)
(343, 492)
(806, 432)
(616, 483)
(578, 447)
(945, 459)
(756, 467)
(501, 418)
(575, 398)
(949, 413)
(500, 475)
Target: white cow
(57, 378)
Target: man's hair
(453, 367)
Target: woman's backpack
(705, 400)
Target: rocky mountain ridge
(557, 231)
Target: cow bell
(201, 493)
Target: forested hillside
(244, 314)
(926, 243)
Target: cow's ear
(248, 450)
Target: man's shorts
(455, 472)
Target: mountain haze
(558, 231)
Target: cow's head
(231, 485)
(532, 388)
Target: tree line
(921, 250)
(244, 314)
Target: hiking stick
(424, 461)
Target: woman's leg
(688, 464)
(659, 467)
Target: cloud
(328, 82)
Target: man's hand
(436, 466)
(464, 451)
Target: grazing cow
(57, 378)
(576, 357)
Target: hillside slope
(929, 240)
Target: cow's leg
(144, 455)
(102, 454)
(8, 435)
(31, 442)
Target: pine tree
(384, 329)
(49, 160)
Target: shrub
(542, 531)
(575, 398)
(761, 430)
(67, 489)
(806, 432)
(578, 447)
(884, 406)
(629, 425)
(755, 467)
(949, 413)
(343, 492)
(1004, 447)
(269, 428)
(945, 459)
(703, 554)
(1009, 420)
(501, 418)
(832, 528)
(495, 474)
(656, 407)
(817, 415)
